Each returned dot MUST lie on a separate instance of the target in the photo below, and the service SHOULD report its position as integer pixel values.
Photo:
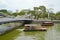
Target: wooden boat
(47, 24)
(34, 28)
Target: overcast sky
(29, 4)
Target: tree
(36, 8)
(14, 14)
(37, 12)
(43, 10)
(4, 11)
(21, 13)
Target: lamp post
(49, 11)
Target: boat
(47, 24)
(34, 28)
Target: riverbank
(9, 27)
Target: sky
(29, 4)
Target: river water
(52, 33)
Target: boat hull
(35, 30)
(41, 29)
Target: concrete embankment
(8, 27)
(40, 21)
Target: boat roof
(31, 25)
(48, 22)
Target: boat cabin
(47, 24)
(34, 27)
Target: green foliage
(43, 8)
(38, 14)
(36, 8)
(58, 15)
(5, 11)
(21, 13)
(14, 14)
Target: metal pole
(48, 14)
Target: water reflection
(57, 32)
(53, 33)
(58, 28)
